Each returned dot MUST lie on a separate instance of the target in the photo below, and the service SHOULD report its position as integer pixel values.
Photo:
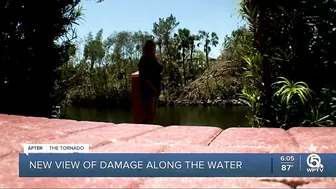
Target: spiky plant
(289, 90)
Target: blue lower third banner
(177, 165)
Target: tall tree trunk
(92, 64)
(183, 64)
(191, 63)
(207, 58)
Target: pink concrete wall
(137, 138)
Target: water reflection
(230, 116)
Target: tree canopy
(281, 65)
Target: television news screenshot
(168, 94)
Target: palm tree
(192, 40)
(183, 43)
(208, 41)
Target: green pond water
(224, 117)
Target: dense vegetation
(291, 62)
(98, 73)
(30, 52)
(281, 65)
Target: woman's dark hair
(148, 43)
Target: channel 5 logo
(314, 163)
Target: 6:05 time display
(287, 158)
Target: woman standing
(150, 73)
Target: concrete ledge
(110, 137)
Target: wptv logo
(314, 163)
